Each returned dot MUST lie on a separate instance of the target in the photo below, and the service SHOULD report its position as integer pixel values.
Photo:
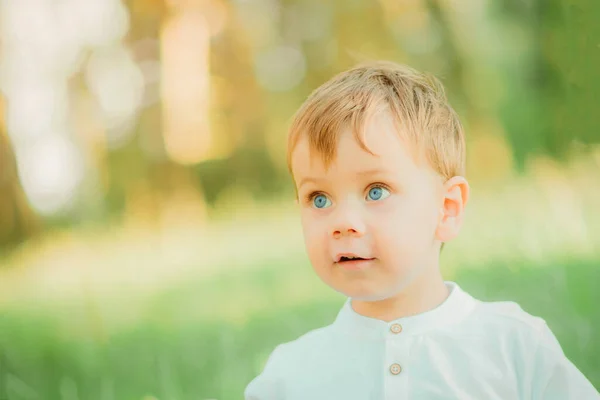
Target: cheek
(314, 231)
(403, 220)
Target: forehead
(385, 150)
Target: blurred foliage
(158, 277)
(17, 219)
(523, 73)
(553, 83)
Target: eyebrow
(308, 180)
(374, 171)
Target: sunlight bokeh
(149, 236)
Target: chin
(362, 293)
(361, 287)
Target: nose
(347, 221)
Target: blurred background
(150, 248)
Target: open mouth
(345, 259)
(353, 262)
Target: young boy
(378, 159)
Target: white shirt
(463, 349)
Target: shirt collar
(455, 308)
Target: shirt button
(396, 328)
(395, 369)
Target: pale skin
(387, 209)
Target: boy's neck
(424, 293)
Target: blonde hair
(416, 101)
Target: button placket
(395, 368)
(397, 361)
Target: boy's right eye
(321, 201)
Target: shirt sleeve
(268, 385)
(555, 376)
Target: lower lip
(356, 265)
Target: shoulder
(543, 369)
(315, 341)
(289, 360)
(509, 318)
(510, 315)
(508, 312)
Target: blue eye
(321, 201)
(377, 193)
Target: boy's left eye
(377, 193)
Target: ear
(455, 195)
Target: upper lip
(339, 256)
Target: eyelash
(378, 184)
(312, 195)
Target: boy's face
(382, 208)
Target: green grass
(207, 339)
(193, 312)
